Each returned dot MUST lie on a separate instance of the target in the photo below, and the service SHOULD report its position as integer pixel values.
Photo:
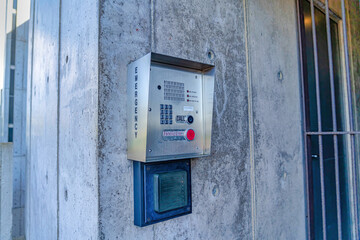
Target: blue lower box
(162, 191)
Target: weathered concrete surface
(6, 186)
(354, 46)
(42, 113)
(62, 191)
(2, 62)
(86, 123)
(125, 34)
(19, 139)
(29, 181)
(6, 33)
(187, 31)
(128, 31)
(14, 68)
(278, 147)
(78, 125)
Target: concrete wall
(80, 181)
(220, 183)
(19, 140)
(252, 186)
(14, 34)
(6, 192)
(2, 62)
(279, 201)
(78, 120)
(62, 199)
(42, 203)
(8, 27)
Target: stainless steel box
(170, 108)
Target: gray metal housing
(149, 139)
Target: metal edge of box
(135, 154)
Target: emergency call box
(170, 108)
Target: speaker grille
(170, 191)
(174, 91)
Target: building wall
(43, 94)
(279, 184)
(220, 183)
(2, 62)
(13, 72)
(80, 181)
(6, 186)
(78, 120)
(250, 184)
(62, 199)
(19, 139)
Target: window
(329, 133)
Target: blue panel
(144, 212)
(138, 193)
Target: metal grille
(310, 135)
(174, 91)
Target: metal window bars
(335, 133)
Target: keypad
(166, 114)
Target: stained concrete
(277, 122)
(42, 113)
(81, 183)
(19, 139)
(63, 198)
(190, 30)
(14, 33)
(78, 125)
(354, 45)
(2, 62)
(6, 184)
(125, 31)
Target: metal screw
(150, 150)
(149, 109)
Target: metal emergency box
(170, 108)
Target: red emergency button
(190, 134)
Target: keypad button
(170, 121)
(162, 111)
(162, 116)
(190, 119)
(162, 121)
(166, 116)
(170, 106)
(166, 111)
(170, 116)
(170, 111)
(166, 106)
(161, 106)
(166, 122)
